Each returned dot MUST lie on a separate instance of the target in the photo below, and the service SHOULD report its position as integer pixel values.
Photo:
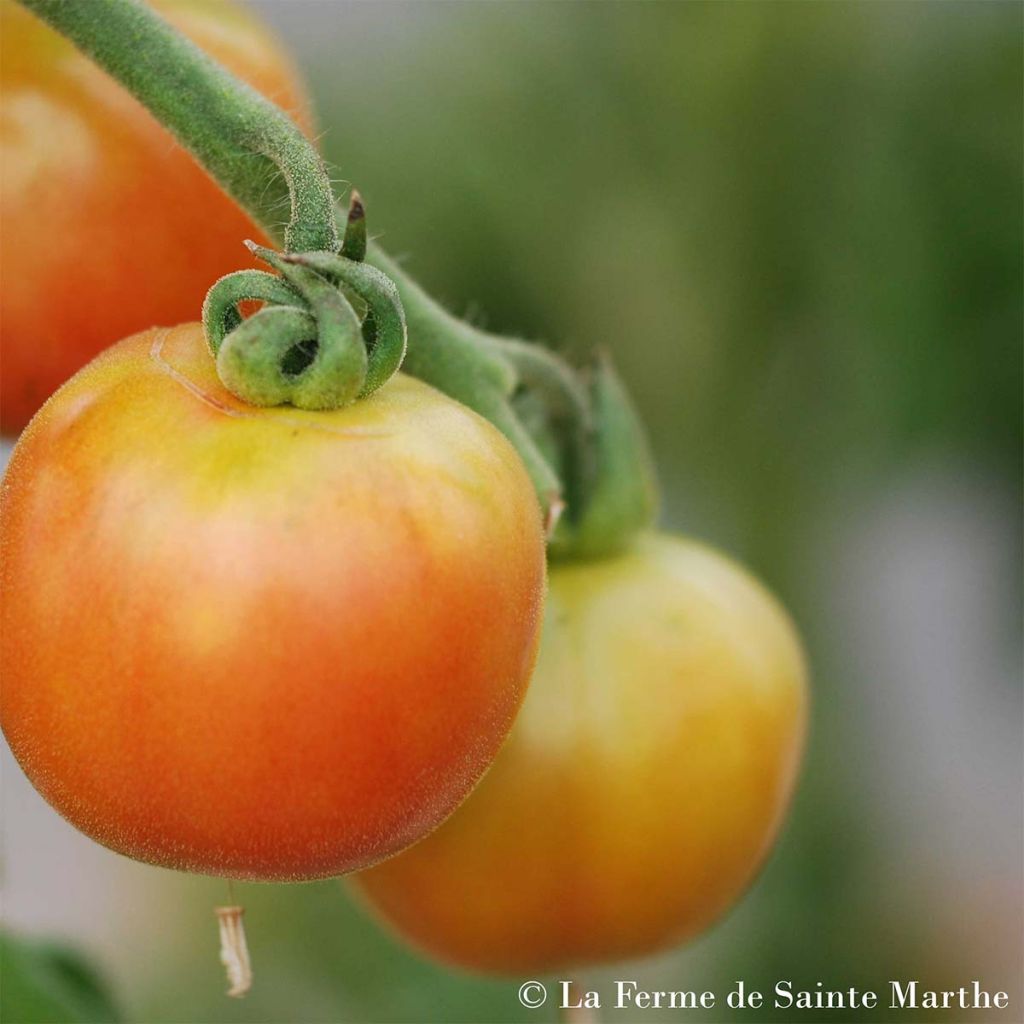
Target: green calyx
(307, 346)
(336, 312)
(577, 433)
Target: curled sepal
(353, 243)
(255, 359)
(553, 402)
(384, 328)
(220, 307)
(621, 496)
(307, 346)
(326, 369)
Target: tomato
(109, 226)
(260, 643)
(642, 784)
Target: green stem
(580, 441)
(469, 367)
(601, 452)
(249, 145)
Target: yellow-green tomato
(643, 782)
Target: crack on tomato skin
(197, 391)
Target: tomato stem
(249, 145)
(578, 435)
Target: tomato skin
(260, 643)
(109, 226)
(642, 784)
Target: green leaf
(44, 983)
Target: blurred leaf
(42, 983)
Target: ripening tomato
(642, 784)
(260, 643)
(109, 226)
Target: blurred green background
(798, 227)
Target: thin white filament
(234, 953)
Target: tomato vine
(576, 432)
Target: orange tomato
(260, 643)
(643, 782)
(109, 226)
